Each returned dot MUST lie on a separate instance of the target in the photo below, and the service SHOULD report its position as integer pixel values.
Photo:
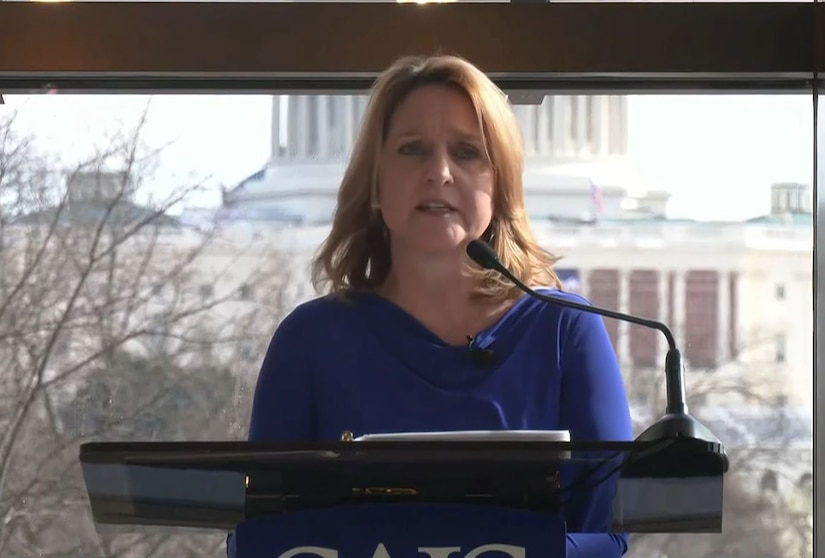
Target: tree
(765, 509)
(117, 321)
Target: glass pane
(819, 364)
(149, 246)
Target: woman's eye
(462, 152)
(467, 152)
(410, 149)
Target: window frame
(607, 48)
(235, 47)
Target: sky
(716, 154)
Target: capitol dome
(575, 148)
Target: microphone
(676, 423)
(480, 355)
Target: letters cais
(381, 551)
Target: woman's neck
(429, 277)
(439, 294)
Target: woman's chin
(446, 244)
(436, 239)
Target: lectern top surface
(218, 484)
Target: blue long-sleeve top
(365, 365)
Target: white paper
(471, 436)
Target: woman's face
(435, 185)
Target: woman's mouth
(435, 208)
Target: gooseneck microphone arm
(482, 254)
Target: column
(529, 130)
(664, 299)
(616, 141)
(734, 301)
(363, 102)
(338, 141)
(723, 317)
(302, 118)
(326, 133)
(312, 126)
(602, 138)
(293, 126)
(571, 141)
(596, 124)
(621, 103)
(543, 147)
(679, 298)
(584, 280)
(561, 117)
(624, 327)
(350, 123)
(581, 126)
(275, 133)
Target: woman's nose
(439, 168)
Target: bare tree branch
(106, 332)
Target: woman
(393, 346)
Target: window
(671, 267)
(703, 313)
(659, 159)
(781, 348)
(645, 300)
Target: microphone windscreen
(481, 253)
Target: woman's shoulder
(325, 318)
(551, 307)
(325, 309)
(564, 295)
(565, 318)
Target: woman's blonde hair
(356, 254)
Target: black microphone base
(686, 431)
(677, 425)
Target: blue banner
(402, 531)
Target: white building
(575, 148)
(734, 292)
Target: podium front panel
(402, 531)
(672, 486)
(165, 496)
(669, 505)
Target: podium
(403, 499)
